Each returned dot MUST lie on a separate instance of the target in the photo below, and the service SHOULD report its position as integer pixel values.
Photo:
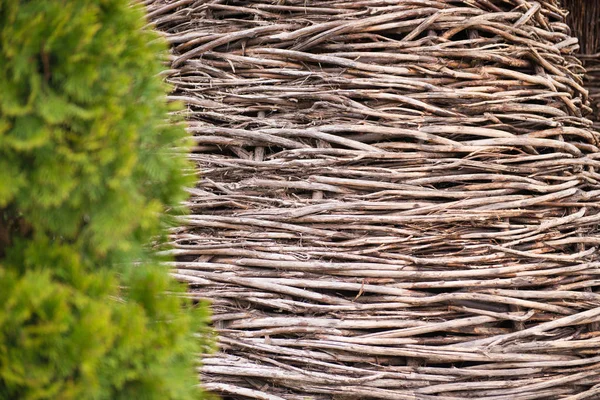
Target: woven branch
(398, 198)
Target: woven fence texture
(398, 199)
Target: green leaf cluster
(89, 178)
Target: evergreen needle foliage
(88, 178)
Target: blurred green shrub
(89, 179)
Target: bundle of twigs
(584, 19)
(398, 198)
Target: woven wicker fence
(398, 198)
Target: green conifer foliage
(88, 178)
